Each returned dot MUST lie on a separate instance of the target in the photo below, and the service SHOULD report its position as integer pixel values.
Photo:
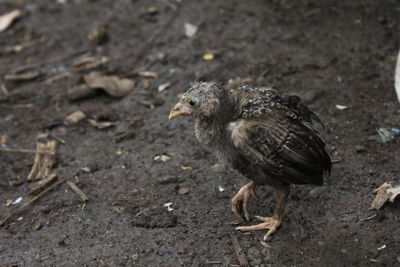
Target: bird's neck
(209, 130)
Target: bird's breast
(236, 132)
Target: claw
(241, 201)
(268, 223)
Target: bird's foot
(269, 223)
(241, 200)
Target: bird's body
(268, 138)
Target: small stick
(4, 89)
(42, 183)
(77, 190)
(32, 200)
(23, 150)
(239, 252)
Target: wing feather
(285, 149)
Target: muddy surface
(329, 53)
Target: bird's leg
(271, 223)
(242, 198)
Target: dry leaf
(7, 19)
(101, 124)
(151, 103)
(186, 168)
(394, 192)
(148, 74)
(90, 63)
(190, 29)
(113, 85)
(152, 10)
(26, 76)
(384, 193)
(75, 117)
(163, 86)
(397, 77)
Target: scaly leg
(271, 223)
(242, 197)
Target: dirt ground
(328, 52)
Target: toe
(246, 208)
(234, 208)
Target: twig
(43, 163)
(239, 252)
(23, 150)
(77, 190)
(4, 89)
(32, 200)
(42, 183)
(369, 218)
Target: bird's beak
(180, 109)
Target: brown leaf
(384, 193)
(75, 117)
(101, 124)
(7, 19)
(394, 192)
(148, 74)
(113, 85)
(26, 76)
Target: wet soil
(329, 52)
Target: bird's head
(201, 101)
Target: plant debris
(152, 103)
(98, 35)
(7, 19)
(75, 117)
(148, 74)
(384, 193)
(101, 124)
(112, 85)
(153, 10)
(39, 185)
(90, 63)
(30, 201)
(25, 76)
(387, 134)
(43, 162)
(77, 190)
(190, 29)
(341, 107)
(163, 86)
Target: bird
(267, 137)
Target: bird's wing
(284, 148)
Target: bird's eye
(192, 102)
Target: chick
(266, 137)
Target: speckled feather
(267, 137)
